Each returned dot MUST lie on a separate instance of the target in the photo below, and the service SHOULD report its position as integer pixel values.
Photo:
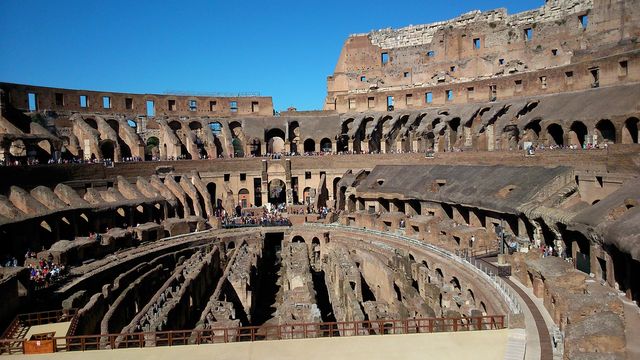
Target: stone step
(516, 344)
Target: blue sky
(283, 49)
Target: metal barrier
(272, 332)
(476, 266)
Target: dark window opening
(554, 52)
(59, 99)
(243, 177)
(172, 105)
(233, 105)
(212, 106)
(518, 85)
(255, 106)
(453, 69)
(543, 82)
(568, 76)
(476, 43)
(227, 177)
(623, 68)
(363, 78)
(501, 61)
(128, 103)
(595, 77)
(307, 175)
(406, 74)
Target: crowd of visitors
(46, 272)
(264, 217)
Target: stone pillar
(491, 142)
(383, 146)
(334, 147)
(364, 146)
(350, 145)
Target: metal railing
(258, 333)
(476, 266)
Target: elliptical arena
(472, 182)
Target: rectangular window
(568, 77)
(363, 78)
(595, 77)
(227, 177)
(307, 175)
(172, 105)
(352, 103)
(428, 98)
(518, 85)
(623, 68)
(106, 102)
(59, 99)
(255, 107)
(384, 58)
(243, 177)
(193, 105)
(371, 102)
(233, 105)
(528, 34)
(543, 82)
(476, 43)
(212, 105)
(409, 99)
(449, 95)
(33, 101)
(584, 21)
(151, 109)
(128, 103)
(389, 103)
(84, 101)
(406, 74)
(431, 53)
(470, 91)
(493, 92)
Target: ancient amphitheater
(470, 190)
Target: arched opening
(306, 196)
(132, 123)
(630, 131)
(555, 135)
(325, 145)
(175, 125)
(298, 239)
(113, 124)
(238, 151)
(336, 190)
(532, 131)
(195, 125)
(275, 141)
(455, 283)
(152, 149)
(294, 136)
(606, 131)
(231, 245)
(471, 297)
(107, 148)
(277, 192)
(211, 188)
(309, 146)
(92, 122)
(243, 198)
(255, 147)
(578, 134)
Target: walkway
(546, 349)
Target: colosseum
(469, 190)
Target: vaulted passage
(267, 279)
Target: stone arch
(298, 239)
(325, 145)
(113, 123)
(91, 122)
(152, 149)
(555, 135)
(578, 134)
(243, 198)
(606, 131)
(630, 131)
(309, 146)
(336, 190)
(277, 192)
(274, 139)
(211, 188)
(195, 125)
(175, 125)
(294, 136)
(107, 149)
(532, 131)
